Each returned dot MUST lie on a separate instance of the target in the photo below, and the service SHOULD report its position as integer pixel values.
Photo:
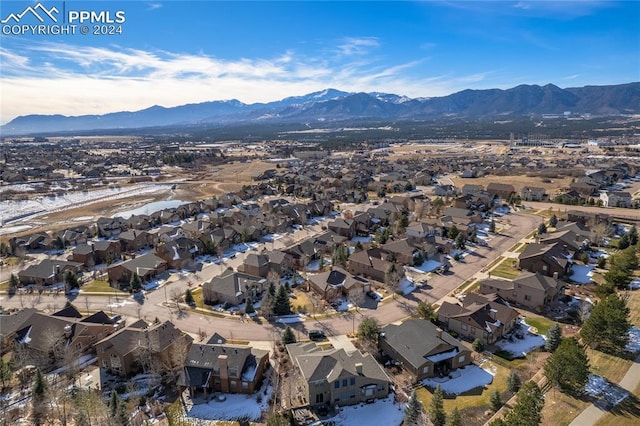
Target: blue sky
(176, 52)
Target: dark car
(316, 335)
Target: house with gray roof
(337, 282)
(48, 272)
(423, 349)
(529, 289)
(147, 266)
(213, 367)
(233, 288)
(336, 377)
(547, 259)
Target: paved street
(158, 304)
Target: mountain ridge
(333, 104)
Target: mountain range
(335, 105)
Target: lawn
(507, 269)
(4, 286)
(634, 307)
(560, 409)
(625, 414)
(542, 324)
(521, 248)
(471, 399)
(100, 286)
(608, 366)
(198, 297)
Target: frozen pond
(150, 208)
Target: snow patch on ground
(406, 286)
(381, 412)
(314, 265)
(634, 340)
(582, 273)
(231, 406)
(362, 240)
(463, 380)
(290, 319)
(520, 347)
(635, 284)
(599, 387)
(427, 266)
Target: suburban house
(616, 199)
(408, 252)
(420, 230)
(147, 266)
(423, 349)
(48, 272)
(233, 288)
(478, 317)
(9, 324)
(96, 252)
(547, 259)
(335, 377)
(566, 237)
(134, 240)
(213, 367)
(343, 227)
(336, 283)
(501, 190)
(530, 290)
(280, 262)
(589, 218)
(255, 264)
(533, 193)
(141, 346)
(370, 263)
(180, 253)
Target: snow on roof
(444, 355)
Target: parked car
(317, 335)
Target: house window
(319, 398)
(105, 364)
(217, 382)
(515, 293)
(245, 385)
(233, 371)
(461, 358)
(545, 267)
(234, 383)
(527, 297)
(336, 384)
(425, 369)
(381, 388)
(473, 330)
(353, 381)
(464, 327)
(345, 383)
(78, 346)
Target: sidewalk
(592, 414)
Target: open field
(634, 307)
(99, 286)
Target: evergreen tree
(553, 221)
(413, 411)
(71, 281)
(114, 401)
(542, 229)
(453, 232)
(454, 418)
(369, 330)
(136, 282)
(554, 336)
(282, 303)
(188, 298)
(288, 336)
(477, 345)
(568, 366)
(623, 243)
(122, 417)
(495, 400)
(425, 310)
(513, 382)
(460, 241)
(38, 399)
(608, 324)
(633, 236)
(492, 225)
(249, 308)
(14, 283)
(436, 408)
(6, 373)
(528, 408)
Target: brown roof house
(255, 264)
(180, 253)
(335, 377)
(48, 272)
(148, 266)
(423, 349)
(478, 317)
(533, 193)
(141, 346)
(501, 190)
(336, 283)
(213, 367)
(547, 259)
(134, 240)
(370, 263)
(343, 227)
(531, 290)
(233, 288)
(96, 252)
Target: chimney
(359, 368)
(555, 275)
(222, 365)
(492, 313)
(438, 332)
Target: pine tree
(608, 324)
(495, 400)
(436, 408)
(369, 330)
(460, 241)
(282, 304)
(633, 236)
(248, 308)
(513, 382)
(492, 225)
(136, 282)
(425, 310)
(288, 336)
(6, 373)
(413, 411)
(114, 400)
(568, 366)
(542, 229)
(553, 221)
(528, 408)
(554, 336)
(454, 418)
(38, 402)
(188, 298)
(14, 282)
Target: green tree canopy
(369, 330)
(413, 411)
(568, 366)
(425, 310)
(282, 304)
(437, 414)
(454, 418)
(288, 336)
(608, 324)
(554, 336)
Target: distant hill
(333, 105)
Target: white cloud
(357, 45)
(50, 78)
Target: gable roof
(336, 277)
(158, 336)
(232, 283)
(537, 281)
(417, 339)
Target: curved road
(158, 304)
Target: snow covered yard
(406, 286)
(381, 412)
(599, 387)
(521, 346)
(634, 340)
(463, 380)
(231, 406)
(582, 273)
(427, 266)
